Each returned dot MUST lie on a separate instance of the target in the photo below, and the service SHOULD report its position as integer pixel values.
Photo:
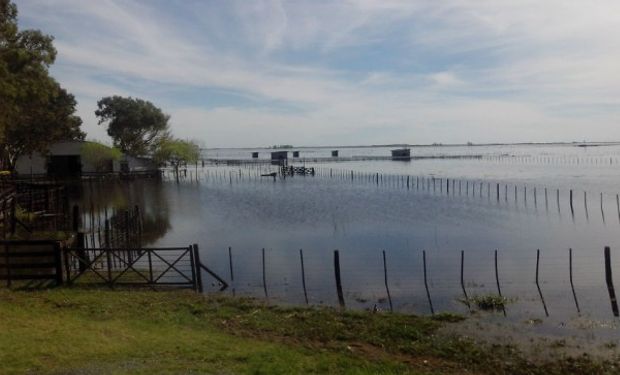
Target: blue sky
(252, 73)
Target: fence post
(232, 275)
(499, 290)
(57, 263)
(303, 275)
(538, 285)
(338, 280)
(197, 265)
(193, 263)
(106, 245)
(13, 217)
(463, 280)
(264, 275)
(610, 282)
(385, 277)
(428, 293)
(570, 271)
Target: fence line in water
(468, 299)
(553, 159)
(499, 192)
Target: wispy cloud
(311, 72)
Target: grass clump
(489, 302)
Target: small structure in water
(334, 153)
(255, 155)
(279, 157)
(401, 154)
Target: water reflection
(362, 215)
(108, 198)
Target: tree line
(36, 111)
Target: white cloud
(449, 71)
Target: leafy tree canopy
(176, 151)
(34, 110)
(135, 125)
(100, 155)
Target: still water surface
(231, 206)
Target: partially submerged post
(537, 283)
(428, 293)
(338, 279)
(385, 278)
(610, 282)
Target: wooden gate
(32, 263)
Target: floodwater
(512, 202)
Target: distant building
(279, 155)
(129, 164)
(335, 153)
(401, 154)
(65, 159)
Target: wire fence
(575, 203)
(539, 283)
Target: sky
(259, 73)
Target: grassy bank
(99, 331)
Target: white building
(64, 159)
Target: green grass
(489, 302)
(101, 331)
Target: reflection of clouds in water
(361, 219)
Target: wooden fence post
(264, 276)
(463, 280)
(428, 293)
(385, 278)
(570, 272)
(197, 266)
(537, 283)
(610, 282)
(338, 279)
(303, 275)
(499, 290)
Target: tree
(34, 110)
(175, 152)
(99, 155)
(135, 125)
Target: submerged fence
(576, 203)
(466, 293)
